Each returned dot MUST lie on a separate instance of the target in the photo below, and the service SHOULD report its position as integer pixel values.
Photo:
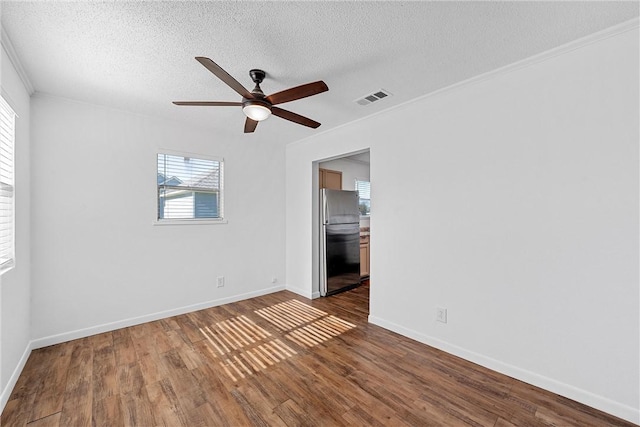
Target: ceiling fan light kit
(255, 105)
(256, 110)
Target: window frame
(191, 221)
(11, 261)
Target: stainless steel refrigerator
(339, 241)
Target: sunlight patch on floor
(289, 314)
(246, 348)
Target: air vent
(374, 97)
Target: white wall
(529, 220)
(98, 260)
(15, 284)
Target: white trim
(112, 326)
(5, 41)
(189, 154)
(8, 389)
(302, 292)
(107, 327)
(191, 221)
(524, 63)
(595, 401)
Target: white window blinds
(7, 192)
(364, 194)
(189, 188)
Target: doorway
(352, 173)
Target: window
(364, 194)
(189, 188)
(7, 212)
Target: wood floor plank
(221, 406)
(15, 413)
(99, 341)
(256, 418)
(292, 415)
(274, 360)
(248, 396)
(186, 322)
(50, 387)
(170, 323)
(130, 380)
(365, 416)
(206, 416)
(78, 397)
(152, 368)
(123, 346)
(137, 410)
(459, 408)
(166, 405)
(107, 412)
(305, 394)
(503, 423)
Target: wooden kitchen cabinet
(330, 179)
(364, 256)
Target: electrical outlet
(441, 314)
(220, 281)
(274, 279)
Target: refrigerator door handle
(323, 263)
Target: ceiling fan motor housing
(256, 101)
(257, 75)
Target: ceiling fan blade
(209, 103)
(224, 76)
(297, 92)
(250, 125)
(293, 117)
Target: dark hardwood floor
(276, 360)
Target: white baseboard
(595, 401)
(86, 332)
(8, 389)
(300, 291)
(81, 333)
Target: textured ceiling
(139, 56)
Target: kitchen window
(7, 190)
(189, 189)
(364, 195)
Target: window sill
(190, 222)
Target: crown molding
(582, 42)
(5, 41)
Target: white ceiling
(139, 56)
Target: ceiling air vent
(373, 97)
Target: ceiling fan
(255, 105)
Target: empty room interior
(364, 213)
